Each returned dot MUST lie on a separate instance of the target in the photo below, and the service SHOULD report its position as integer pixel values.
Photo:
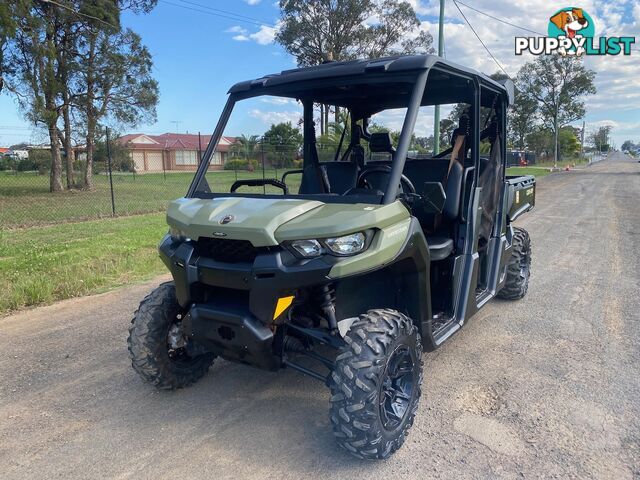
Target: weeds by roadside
(42, 265)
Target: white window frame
(186, 157)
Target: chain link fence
(25, 199)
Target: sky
(200, 51)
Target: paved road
(545, 387)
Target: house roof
(173, 141)
(3, 150)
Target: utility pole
(436, 113)
(555, 140)
(582, 141)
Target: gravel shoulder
(546, 387)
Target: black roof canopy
(369, 86)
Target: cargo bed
(521, 195)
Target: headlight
(177, 235)
(307, 248)
(347, 245)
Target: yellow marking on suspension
(282, 305)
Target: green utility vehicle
(347, 268)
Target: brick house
(173, 151)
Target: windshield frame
(398, 159)
(416, 100)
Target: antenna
(177, 123)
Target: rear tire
(518, 267)
(375, 385)
(149, 345)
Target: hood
(237, 218)
(337, 219)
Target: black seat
(380, 142)
(441, 243)
(435, 170)
(342, 176)
(439, 247)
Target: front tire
(375, 385)
(518, 267)
(158, 353)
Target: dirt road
(545, 387)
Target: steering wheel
(407, 186)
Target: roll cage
(366, 87)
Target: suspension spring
(327, 301)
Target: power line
(226, 12)
(481, 42)
(498, 19)
(207, 10)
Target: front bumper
(273, 274)
(232, 304)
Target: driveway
(544, 387)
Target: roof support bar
(213, 143)
(400, 156)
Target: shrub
(7, 163)
(26, 165)
(241, 164)
(236, 164)
(41, 159)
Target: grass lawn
(44, 264)
(537, 172)
(25, 199)
(41, 265)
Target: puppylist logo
(572, 32)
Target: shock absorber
(327, 302)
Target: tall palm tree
(245, 146)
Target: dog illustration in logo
(570, 22)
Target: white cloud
(425, 8)
(278, 100)
(271, 117)
(393, 119)
(236, 29)
(265, 35)
(253, 2)
(617, 77)
(621, 128)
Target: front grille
(228, 251)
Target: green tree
(245, 146)
(281, 144)
(600, 138)
(314, 31)
(8, 15)
(629, 146)
(447, 126)
(568, 143)
(540, 141)
(521, 118)
(121, 160)
(33, 54)
(115, 83)
(46, 45)
(558, 85)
